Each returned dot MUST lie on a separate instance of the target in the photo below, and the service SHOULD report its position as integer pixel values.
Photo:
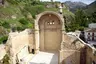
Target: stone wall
(72, 51)
(87, 53)
(39, 38)
(69, 57)
(2, 51)
(91, 56)
(18, 40)
(50, 32)
(31, 41)
(72, 42)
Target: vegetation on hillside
(17, 15)
(82, 17)
(81, 21)
(73, 6)
(91, 8)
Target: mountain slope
(17, 16)
(91, 8)
(73, 6)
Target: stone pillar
(62, 43)
(36, 37)
(63, 33)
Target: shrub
(12, 1)
(20, 28)
(34, 9)
(30, 25)
(6, 24)
(23, 21)
(3, 39)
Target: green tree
(80, 20)
(93, 17)
(5, 24)
(3, 39)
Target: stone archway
(50, 32)
(49, 29)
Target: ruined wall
(71, 52)
(2, 51)
(69, 57)
(87, 55)
(31, 41)
(72, 42)
(20, 39)
(17, 41)
(91, 56)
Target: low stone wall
(69, 57)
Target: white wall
(92, 25)
(86, 35)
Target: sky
(84, 1)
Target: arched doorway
(50, 32)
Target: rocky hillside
(73, 6)
(91, 8)
(19, 15)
